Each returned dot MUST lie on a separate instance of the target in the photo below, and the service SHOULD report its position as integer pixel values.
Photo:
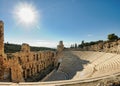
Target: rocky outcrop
(108, 46)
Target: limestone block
(25, 48)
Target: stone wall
(25, 64)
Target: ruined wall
(111, 47)
(2, 55)
(1, 38)
(25, 64)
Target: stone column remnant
(1, 38)
(60, 47)
(25, 48)
(2, 56)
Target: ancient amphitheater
(71, 68)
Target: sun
(26, 14)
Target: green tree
(75, 45)
(112, 37)
(71, 46)
(82, 42)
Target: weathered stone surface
(1, 38)
(2, 56)
(111, 47)
(26, 64)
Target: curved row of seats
(101, 64)
(90, 56)
(103, 58)
(108, 67)
(88, 71)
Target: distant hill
(12, 48)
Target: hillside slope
(12, 48)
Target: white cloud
(44, 43)
(89, 35)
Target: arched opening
(28, 72)
(58, 64)
(27, 58)
(19, 60)
(10, 77)
(37, 68)
(34, 57)
(24, 74)
(37, 57)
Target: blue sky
(69, 20)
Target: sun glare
(26, 14)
